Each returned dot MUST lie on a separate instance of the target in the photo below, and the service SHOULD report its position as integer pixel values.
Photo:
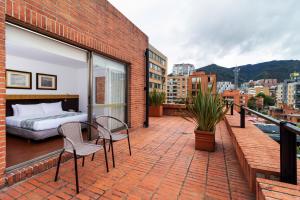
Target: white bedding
(45, 124)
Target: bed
(41, 126)
(40, 121)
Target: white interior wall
(69, 80)
(27, 51)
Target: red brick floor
(164, 165)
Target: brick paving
(164, 165)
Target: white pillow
(52, 108)
(15, 110)
(30, 109)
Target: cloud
(225, 32)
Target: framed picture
(18, 79)
(46, 82)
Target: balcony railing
(288, 142)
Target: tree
(268, 100)
(252, 103)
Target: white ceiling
(25, 44)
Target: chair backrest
(105, 123)
(72, 131)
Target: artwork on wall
(46, 82)
(18, 79)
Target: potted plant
(156, 101)
(205, 110)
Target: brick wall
(2, 93)
(93, 25)
(174, 109)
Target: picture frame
(18, 79)
(46, 81)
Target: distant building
(258, 89)
(236, 97)
(200, 79)
(157, 70)
(291, 91)
(266, 82)
(183, 69)
(179, 86)
(224, 85)
(272, 90)
(176, 88)
(279, 95)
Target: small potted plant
(205, 110)
(156, 101)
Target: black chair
(105, 124)
(73, 143)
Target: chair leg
(76, 172)
(129, 145)
(109, 147)
(82, 161)
(58, 164)
(105, 155)
(112, 153)
(93, 156)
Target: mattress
(32, 135)
(46, 124)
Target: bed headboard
(68, 101)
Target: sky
(225, 32)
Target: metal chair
(73, 143)
(103, 123)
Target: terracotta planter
(156, 111)
(204, 140)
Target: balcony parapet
(258, 154)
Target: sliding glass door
(108, 88)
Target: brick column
(2, 93)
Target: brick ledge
(23, 173)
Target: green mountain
(280, 70)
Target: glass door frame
(91, 86)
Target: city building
(157, 70)
(291, 91)
(183, 69)
(279, 95)
(266, 82)
(258, 89)
(176, 89)
(177, 83)
(272, 91)
(293, 95)
(236, 97)
(224, 85)
(200, 79)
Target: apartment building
(177, 83)
(177, 89)
(258, 89)
(200, 79)
(279, 95)
(223, 86)
(291, 91)
(157, 69)
(236, 97)
(293, 95)
(266, 82)
(183, 69)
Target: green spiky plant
(206, 110)
(157, 98)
